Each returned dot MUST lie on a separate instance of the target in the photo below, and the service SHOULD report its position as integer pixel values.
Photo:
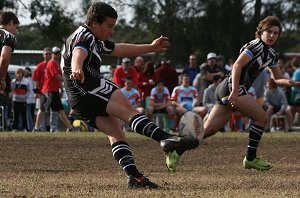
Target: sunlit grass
(81, 165)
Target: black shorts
(223, 91)
(50, 100)
(95, 101)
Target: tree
(193, 26)
(53, 21)
(8, 4)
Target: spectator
(207, 72)
(112, 71)
(52, 85)
(134, 98)
(222, 63)
(259, 85)
(38, 76)
(132, 94)
(20, 87)
(147, 80)
(122, 72)
(167, 74)
(30, 109)
(295, 94)
(275, 102)
(184, 96)
(160, 102)
(211, 69)
(193, 68)
(139, 64)
(209, 94)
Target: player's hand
(2, 84)
(233, 97)
(160, 44)
(77, 75)
(295, 83)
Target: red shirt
(39, 74)
(51, 84)
(168, 75)
(145, 90)
(120, 76)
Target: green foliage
(30, 37)
(290, 41)
(193, 26)
(53, 21)
(8, 4)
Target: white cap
(125, 60)
(55, 50)
(211, 55)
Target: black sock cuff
(261, 128)
(119, 143)
(134, 117)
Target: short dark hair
(128, 78)
(97, 12)
(159, 81)
(6, 17)
(184, 74)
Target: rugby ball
(191, 124)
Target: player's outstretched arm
(126, 49)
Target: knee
(209, 131)
(261, 122)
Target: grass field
(81, 165)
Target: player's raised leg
(118, 106)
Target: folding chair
(274, 116)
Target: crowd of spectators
(152, 88)
(195, 87)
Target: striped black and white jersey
(7, 39)
(261, 56)
(84, 39)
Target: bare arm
(242, 60)
(79, 55)
(161, 105)
(4, 62)
(59, 77)
(210, 76)
(279, 79)
(125, 49)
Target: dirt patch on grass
(83, 166)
